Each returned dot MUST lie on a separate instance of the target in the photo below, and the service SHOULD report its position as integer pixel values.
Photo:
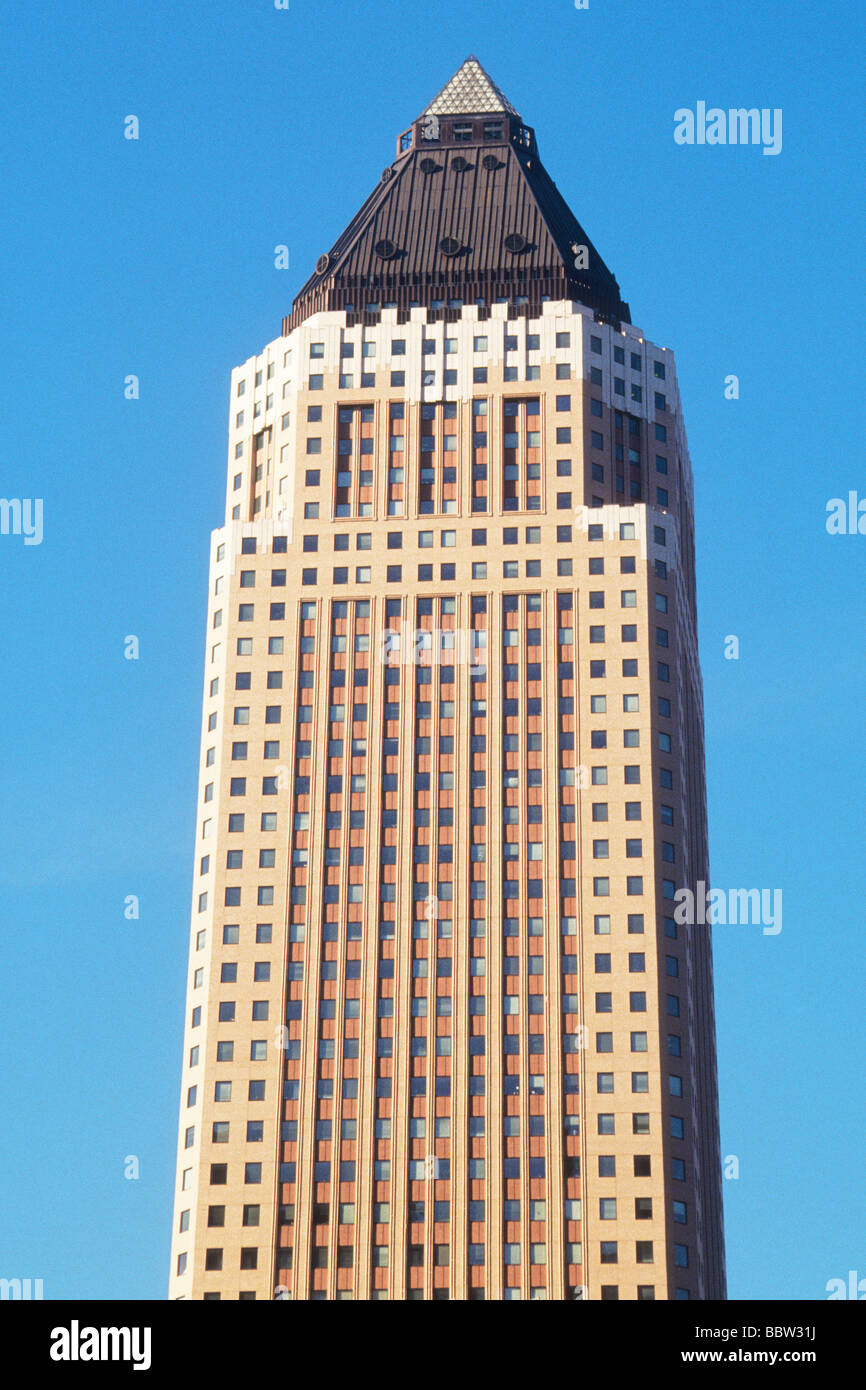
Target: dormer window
(492, 130)
(462, 130)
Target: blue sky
(261, 127)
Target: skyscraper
(444, 1036)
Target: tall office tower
(444, 1037)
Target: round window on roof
(322, 264)
(449, 246)
(515, 243)
(460, 165)
(385, 248)
(429, 166)
(490, 162)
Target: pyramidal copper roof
(466, 214)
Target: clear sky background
(260, 127)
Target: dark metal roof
(466, 212)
